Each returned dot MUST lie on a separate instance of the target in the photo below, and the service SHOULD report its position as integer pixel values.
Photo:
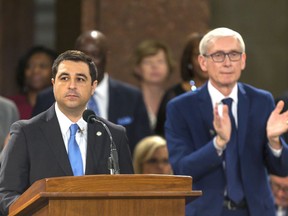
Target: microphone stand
(113, 164)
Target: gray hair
(218, 33)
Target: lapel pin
(99, 133)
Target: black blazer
(126, 107)
(36, 150)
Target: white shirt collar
(65, 122)
(217, 96)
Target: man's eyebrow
(81, 74)
(63, 74)
(77, 74)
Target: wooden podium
(102, 195)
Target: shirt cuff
(218, 149)
(275, 152)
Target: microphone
(113, 164)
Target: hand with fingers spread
(222, 126)
(277, 125)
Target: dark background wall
(16, 35)
(263, 25)
(125, 23)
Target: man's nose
(72, 83)
(227, 60)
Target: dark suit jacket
(126, 108)
(36, 151)
(190, 133)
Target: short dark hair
(23, 62)
(76, 56)
(192, 43)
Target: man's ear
(202, 62)
(243, 61)
(52, 81)
(94, 85)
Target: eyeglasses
(277, 187)
(220, 56)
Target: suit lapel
(96, 146)
(206, 109)
(243, 112)
(52, 132)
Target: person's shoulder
(111, 125)
(252, 90)
(123, 87)
(34, 121)
(46, 91)
(187, 96)
(7, 102)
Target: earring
(192, 84)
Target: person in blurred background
(8, 115)
(279, 187)
(153, 66)
(191, 74)
(151, 156)
(33, 75)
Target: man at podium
(58, 142)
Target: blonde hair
(144, 151)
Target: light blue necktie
(74, 153)
(232, 162)
(92, 104)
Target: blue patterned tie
(74, 153)
(92, 104)
(234, 183)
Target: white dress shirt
(101, 96)
(81, 135)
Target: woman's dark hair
(23, 62)
(186, 67)
(76, 56)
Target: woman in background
(33, 75)
(151, 156)
(153, 66)
(191, 74)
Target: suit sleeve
(14, 177)
(189, 154)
